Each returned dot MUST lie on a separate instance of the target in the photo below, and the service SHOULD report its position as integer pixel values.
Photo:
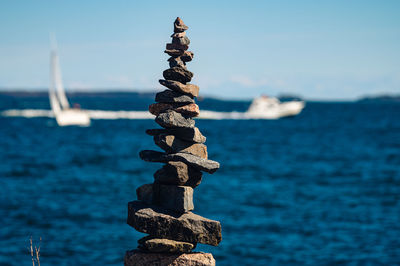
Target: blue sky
(317, 49)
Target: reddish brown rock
(178, 34)
(162, 245)
(179, 26)
(190, 89)
(140, 258)
(187, 56)
(174, 52)
(176, 46)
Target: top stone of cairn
(179, 26)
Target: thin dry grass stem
(36, 255)
(33, 258)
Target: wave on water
(113, 115)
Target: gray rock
(171, 119)
(178, 173)
(145, 193)
(208, 166)
(181, 40)
(170, 96)
(176, 62)
(175, 46)
(172, 144)
(188, 134)
(190, 89)
(175, 198)
(178, 74)
(163, 245)
(142, 258)
(187, 227)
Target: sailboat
(63, 113)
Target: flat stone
(176, 46)
(160, 223)
(140, 258)
(179, 26)
(158, 108)
(170, 96)
(181, 40)
(145, 193)
(190, 89)
(174, 52)
(199, 163)
(176, 62)
(175, 198)
(171, 119)
(178, 34)
(189, 110)
(178, 74)
(187, 56)
(172, 144)
(178, 173)
(188, 134)
(162, 245)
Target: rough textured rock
(208, 166)
(181, 40)
(171, 119)
(170, 96)
(171, 144)
(172, 173)
(174, 52)
(175, 46)
(179, 26)
(190, 89)
(178, 34)
(178, 74)
(187, 56)
(160, 223)
(145, 193)
(189, 110)
(162, 245)
(176, 62)
(139, 258)
(178, 173)
(188, 134)
(175, 198)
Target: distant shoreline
(150, 93)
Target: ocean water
(322, 188)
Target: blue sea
(321, 188)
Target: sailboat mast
(58, 82)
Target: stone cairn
(163, 209)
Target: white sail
(58, 81)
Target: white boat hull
(71, 117)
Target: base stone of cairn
(139, 258)
(163, 209)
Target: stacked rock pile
(163, 209)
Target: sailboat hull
(72, 117)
